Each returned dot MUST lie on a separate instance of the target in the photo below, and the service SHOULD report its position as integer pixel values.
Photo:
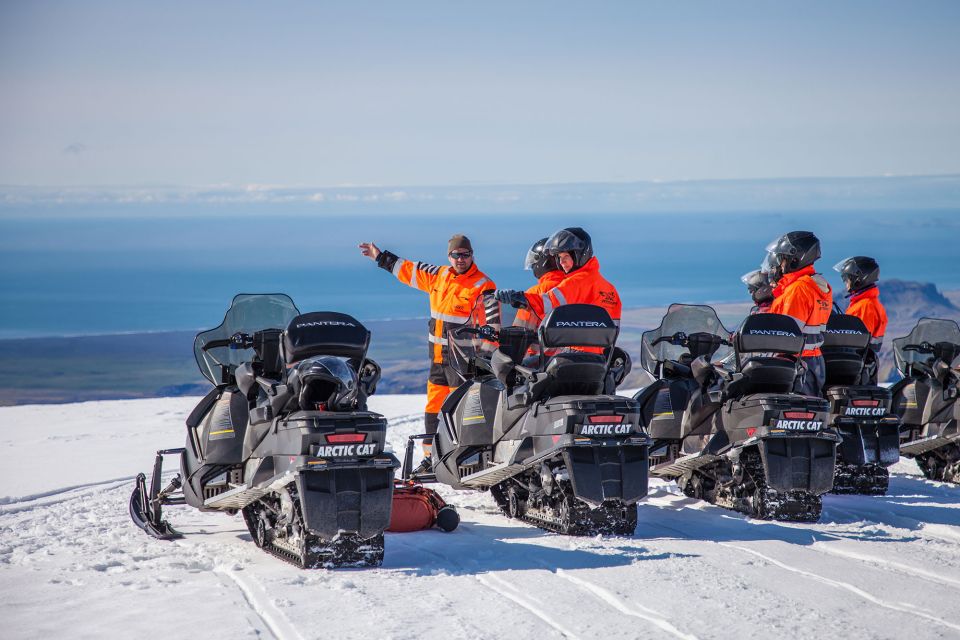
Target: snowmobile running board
(922, 446)
(491, 475)
(683, 465)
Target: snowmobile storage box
(871, 434)
(611, 468)
(325, 333)
(346, 491)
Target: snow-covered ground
(72, 565)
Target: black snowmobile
(735, 434)
(861, 414)
(284, 437)
(545, 434)
(926, 398)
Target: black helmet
(758, 285)
(327, 383)
(799, 248)
(858, 272)
(538, 260)
(572, 240)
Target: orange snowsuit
(805, 296)
(546, 282)
(583, 286)
(866, 306)
(452, 298)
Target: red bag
(416, 507)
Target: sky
(128, 93)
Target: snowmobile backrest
(845, 341)
(324, 333)
(769, 333)
(845, 331)
(578, 325)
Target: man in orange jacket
(572, 249)
(804, 295)
(548, 275)
(453, 293)
(860, 275)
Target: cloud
(75, 148)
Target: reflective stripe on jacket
(866, 306)
(525, 318)
(583, 286)
(452, 296)
(805, 296)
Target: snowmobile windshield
(474, 339)
(681, 318)
(248, 313)
(930, 331)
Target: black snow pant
(810, 381)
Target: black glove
(512, 297)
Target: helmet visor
(531, 259)
(754, 278)
(769, 263)
(843, 263)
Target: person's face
(565, 260)
(461, 260)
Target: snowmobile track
(936, 578)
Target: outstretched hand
(369, 249)
(514, 298)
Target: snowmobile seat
(764, 374)
(575, 373)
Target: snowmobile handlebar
(236, 341)
(681, 339)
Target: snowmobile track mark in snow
(609, 598)
(515, 596)
(936, 578)
(273, 619)
(845, 586)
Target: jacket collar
(592, 265)
(552, 278)
(870, 292)
(790, 278)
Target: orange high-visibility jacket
(452, 297)
(866, 306)
(805, 296)
(583, 286)
(546, 282)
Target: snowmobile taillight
(751, 431)
(866, 403)
(346, 438)
(799, 415)
(605, 419)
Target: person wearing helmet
(803, 294)
(860, 275)
(453, 295)
(548, 275)
(760, 290)
(572, 249)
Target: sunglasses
(460, 255)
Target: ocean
(88, 274)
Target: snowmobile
(861, 414)
(545, 434)
(926, 398)
(283, 437)
(725, 423)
